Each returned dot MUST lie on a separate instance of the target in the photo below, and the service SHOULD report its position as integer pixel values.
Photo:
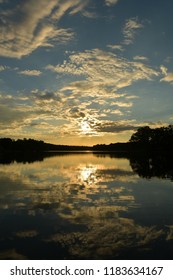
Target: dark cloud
(46, 95)
(76, 113)
(114, 127)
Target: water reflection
(84, 206)
(155, 166)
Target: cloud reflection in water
(85, 204)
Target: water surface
(85, 206)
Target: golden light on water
(87, 174)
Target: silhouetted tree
(143, 135)
(159, 138)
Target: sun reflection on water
(87, 174)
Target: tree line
(8, 144)
(144, 139)
(27, 145)
(154, 138)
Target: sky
(85, 72)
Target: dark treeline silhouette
(114, 147)
(28, 145)
(8, 144)
(145, 139)
(154, 138)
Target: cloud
(44, 113)
(72, 7)
(123, 125)
(78, 6)
(168, 59)
(89, 14)
(122, 104)
(131, 97)
(3, 68)
(164, 70)
(75, 112)
(115, 126)
(33, 24)
(130, 29)
(112, 112)
(85, 106)
(111, 2)
(102, 70)
(116, 47)
(49, 114)
(99, 75)
(44, 97)
(92, 104)
(64, 68)
(138, 57)
(10, 115)
(168, 78)
(31, 72)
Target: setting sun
(85, 128)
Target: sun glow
(85, 128)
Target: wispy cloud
(89, 14)
(168, 76)
(140, 57)
(131, 97)
(164, 70)
(111, 2)
(130, 29)
(168, 59)
(3, 68)
(116, 47)
(36, 26)
(122, 104)
(31, 72)
(103, 69)
(65, 69)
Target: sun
(85, 127)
